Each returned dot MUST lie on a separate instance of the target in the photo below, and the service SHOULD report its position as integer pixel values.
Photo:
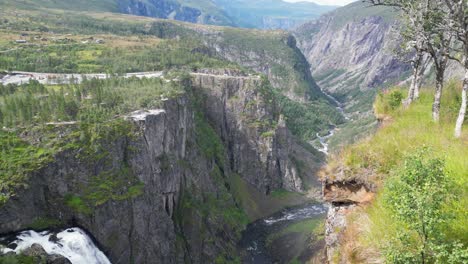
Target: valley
(176, 131)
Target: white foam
(299, 214)
(324, 141)
(142, 114)
(73, 243)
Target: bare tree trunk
(438, 93)
(411, 90)
(419, 79)
(414, 81)
(462, 113)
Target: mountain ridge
(266, 14)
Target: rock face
(258, 145)
(344, 196)
(177, 10)
(266, 14)
(282, 61)
(185, 212)
(351, 50)
(335, 225)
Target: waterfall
(72, 243)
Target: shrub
(417, 198)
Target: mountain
(265, 14)
(271, 14)
(168, 168)
(351, 53)
(351, 49)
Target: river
(253, 244)
(79, 248)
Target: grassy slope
(81, 5)
(143, 44)
(403, 132)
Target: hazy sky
(326, 2)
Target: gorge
(177, 131)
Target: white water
(73, 243)
(324, 141)
(299, 214)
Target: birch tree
(426, 20)
(458, 22)
(413, 14)
(439, 39)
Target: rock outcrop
(351, 50)
(173, 204)
(258, 142)
(205, 13)
(344, 195)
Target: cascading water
(323, 140)
(72, 243)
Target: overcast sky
(326, 2)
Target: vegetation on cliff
(420, 209)
(39, 121)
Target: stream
(253, 243)
(254, 239)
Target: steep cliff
(203, 12)
(158, 187)
(351, 51)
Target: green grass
(410, 129)
(81, 5)
(405, 131)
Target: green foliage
(69, 58)
(77, 204)
(94, 125)
(92, 101)
(306, 119)
(113, 185)
(43, 223)
(418, 198)
(208, 140)
(18, 159)
(388, 101)
(384, 154)
(19, 259)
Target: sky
(326, 2)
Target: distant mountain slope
(351, 49)
(351, 53)
(265, 14)
(272, 14)
(195, 11)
